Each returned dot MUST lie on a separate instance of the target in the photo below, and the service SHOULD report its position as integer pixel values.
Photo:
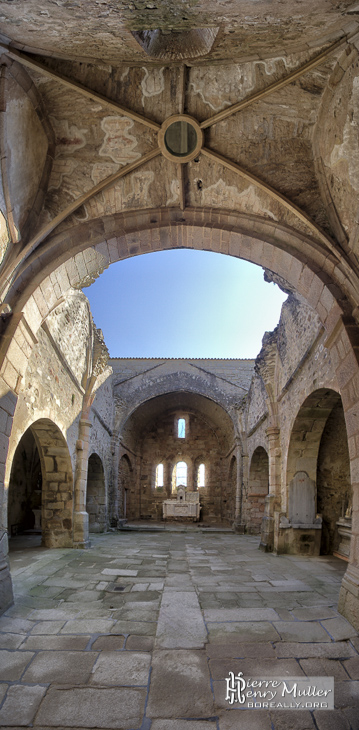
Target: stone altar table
(185, 506)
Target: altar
(185, 506)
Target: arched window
(179, 475)
(201, 475)
(181, 428)
(159, 476)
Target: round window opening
(180, 138)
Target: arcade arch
(96, 506)
(318, 474)
(47, 486)
(258, 486)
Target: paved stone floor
(140, 632)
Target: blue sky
(184, 303)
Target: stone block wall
(160, 444)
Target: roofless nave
(125, 129)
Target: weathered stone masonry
(85, 181)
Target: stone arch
(318, 425)
(258, 485)
(307, 431)
(57, 484)
(176, 382)
(318, 271)
(334, 491)
(96, 502)
(25, 487)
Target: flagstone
(13, 664)
(61, 667)
(21, 705)
(180, 685)
(87, 626)
(121, 669)
(92, 707)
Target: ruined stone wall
(101, 416)
(295, 362)
(298, 328)
(256, 406)
(236, 372)
(49, 391)
(53, 392)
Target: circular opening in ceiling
(180, 139)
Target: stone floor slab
(240, 650)
(39, 643)
(337, 650)
(301, 631)
(61, 667)
(240, 614)
(180, 623)
(292, 720)
(183, 725)
(13, 664)
(339, 628)
(21, 705)
(119, 571)
(140, 643)
(243, 631)
(88, 626)
(220, 668)
(319, 667)
(180, 685)
(245, 720)
(334, 720)
(313, 613)
(347, 694)
(47, 627)
(118, 708)
(144, 628)
(15, 625)
(121, 669)
(109, 643)
(11, 641)
(351, 666)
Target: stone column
(349, 593)
(272, 501)
(8, 402)
(238, 522)
(81, 519)
(115, 494)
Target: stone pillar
(81, 519)
(272, 501)
(8, 402)
(349, 593)
(191, 475)
(115, 494)
(238, 525)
